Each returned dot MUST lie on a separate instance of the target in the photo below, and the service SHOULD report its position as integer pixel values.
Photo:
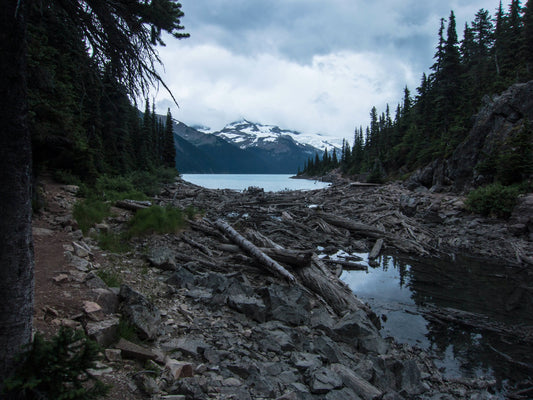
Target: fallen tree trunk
(405, 245)
(132, 205)
(295, 258)
(254, 251)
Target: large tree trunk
(16, 245)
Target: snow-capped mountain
(245, 147)
(247, 134)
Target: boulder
(103, 332)
(288, 304)
(356, 328)
(162, 258)
(324, 380)
(140, 312)
(134, 351)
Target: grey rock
(343, 394)
(409, 378)
(328, 349)
(187, 345)
(306, 361)
(162, 258)
(288, 304)
(277, 341)
(93, 281)
(103, 332)
(134, 351)
(251, 306)
(324, 380)
(107, 300)
(182, 278)
(322, 319)
(356, 328)
(140, 312)
(361, 387)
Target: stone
(103, 332)
(93, 310)
(147, 384)
(328, 349)
(350, 379)
(42, 231)
(182, 278)
(306, 361)
(106, 299)
(288, 304)
(234, 382)
(409, 378)
(140, 312)
(102, 228)
(324, 380)
(162, 258)
(93, 281)
(60, 278)
(178, 369)
(188, 346)
(277, 341)
(80, 250)
(251, 306)
(134, 351)
(113, 355)
(322, 319)
(343, 394)
(356, 328)
(79, 263)
(69, 323)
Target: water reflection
(403, 290)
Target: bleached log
(132, 205)
(295, 258)
(254, 251)
(374, 253)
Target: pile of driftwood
(296, 236)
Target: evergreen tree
(169, 151)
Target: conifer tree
(169, 151)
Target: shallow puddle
(403, 291)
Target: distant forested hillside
(429, 123)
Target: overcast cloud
(309, 65)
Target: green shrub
(113, 242)
(114, 188)
(57, 369)
(127, 331)
(111, 278)
(156, 219)
(89, 212)
(493, 200)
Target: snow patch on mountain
(247, 134)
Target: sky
(314, 66)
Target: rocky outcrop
(498, 118)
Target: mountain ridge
(244, 147)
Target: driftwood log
(132, 205)
(254, 251)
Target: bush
(493, 200)
(89, 212)
(156, 219)
(57, 369)
(111, 278)
(113, 242)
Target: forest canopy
(495, 52)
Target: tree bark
(254, 251)
(16, 244)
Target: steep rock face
(498, 118)
(494, 123)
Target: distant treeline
(495, 52)
(81, 119)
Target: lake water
(402, 290)
(270, 183)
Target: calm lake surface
(270, 183)
(403, 289)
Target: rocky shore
(214, 321)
